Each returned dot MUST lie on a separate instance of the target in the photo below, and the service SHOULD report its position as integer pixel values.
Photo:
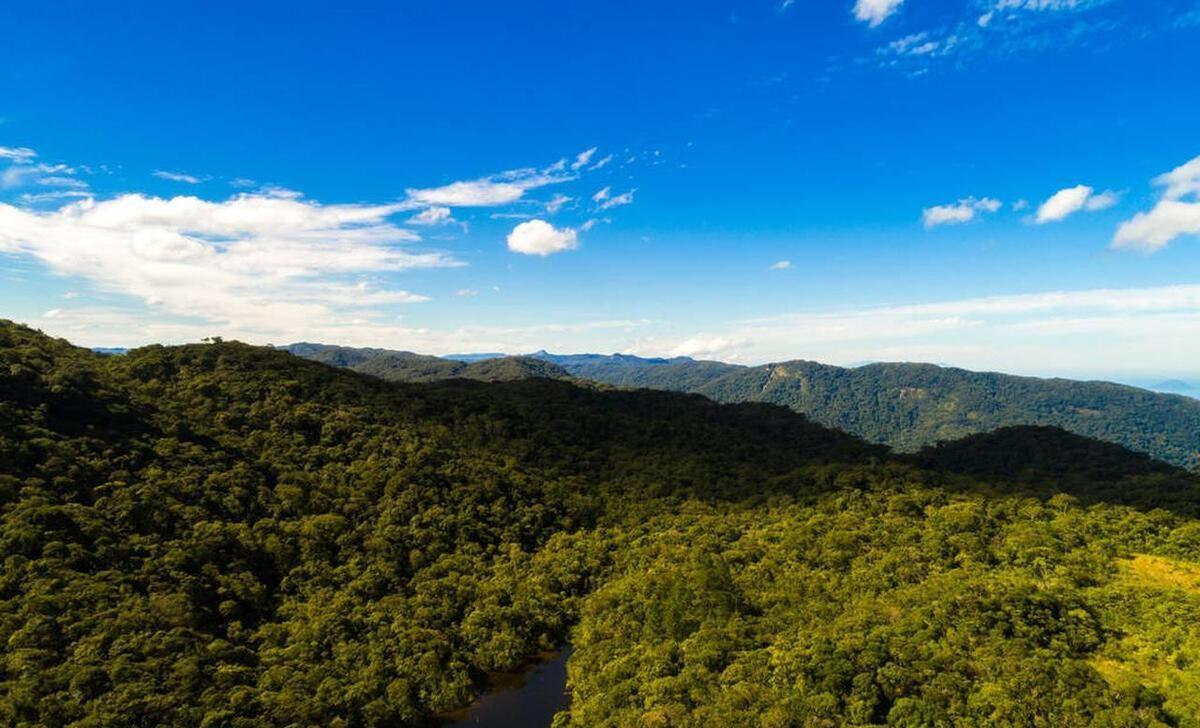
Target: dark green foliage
(405, 366)
(910, 406)
(226, 535)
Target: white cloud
(478, 193)
(593, 222)
(782, 265)
(36, 198)
(702, 346)
(498, 189)
(432, 216)
(582, 159)
(960, 212)
(47, 175)
(189, 179)
(602, 195)
(1050, 5)
(1181, 182)
(1154, 230)
(253, 262)
(501, 189)
(608, 201)
(874, 12)
(1067, 202)
(920, 44)
(20, 155)
(538, 237)
(1068, 332)
(466, 293)
(601, 163)
(1176, 214)
(556, 203)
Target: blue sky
(997, 184)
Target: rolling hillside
(227, 535)
(904, 406)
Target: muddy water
(527, 699)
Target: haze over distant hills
(904, 405)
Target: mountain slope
(405, 366)
(226, 535)
(908, 406)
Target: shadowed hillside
(228, 535)
(907, 406)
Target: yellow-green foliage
(224, 535)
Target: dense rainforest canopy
(225, 535)
(904, 406)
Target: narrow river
(522, 700)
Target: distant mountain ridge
(406, 366)
(906, 406)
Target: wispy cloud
(960, 212)
(601, 163)
(605, 200)
(432, 216)
(782, 265)
(1001, 28)
(557, 202)
(17, 154)
(582, 159)
(189, 179)
(499, 189)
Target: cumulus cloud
(874, 12)
(257, 262)
(538, 237)
(960, 212)
(189, 179)
(1176, 214)
(1067, 202)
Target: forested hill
(904, 406)
(405, 366)
(909, 406)
(224, 535)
